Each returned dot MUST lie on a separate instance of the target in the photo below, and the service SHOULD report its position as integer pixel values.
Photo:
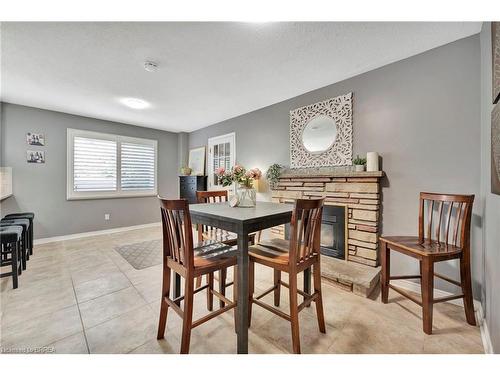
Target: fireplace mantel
(358, 191)
(327, 172)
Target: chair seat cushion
(10, 234)
(412, 244)
(274, 250)
(25, 223)
(209, 253)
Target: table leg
(307, 282)
(242, 312)
(177, 286)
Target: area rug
(142, 254)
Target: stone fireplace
(356, 195)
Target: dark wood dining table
(242, 221)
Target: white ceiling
(208, 72)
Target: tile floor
(81, 296)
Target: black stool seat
(24, 215)
(25, 223)
(10, 234)
(22, 222)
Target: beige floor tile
(102, 286)
(93, 272)
(124, 333)
(75, 344)
(109, 306)
(169, 345)
(43, 330)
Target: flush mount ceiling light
(135, 103)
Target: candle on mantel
(372, 161)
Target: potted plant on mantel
(273, 174)
(359, 164)
(247, 196)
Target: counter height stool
(10, 238)
(180, 256)
(443, 234)
(25, 215)
(297, 255)
(24, 246)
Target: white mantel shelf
(323, 172)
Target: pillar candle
(372, 161)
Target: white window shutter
(137, 166)
(94, 165)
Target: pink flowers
(220, 171)
(239, 175)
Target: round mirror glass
(319, 134)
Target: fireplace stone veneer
(359, 191)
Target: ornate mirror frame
(340, 152)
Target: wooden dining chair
(301, 252)
(180, 256)
(206, 232)
(443, 234)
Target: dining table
(242, 221)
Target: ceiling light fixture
(135, 103)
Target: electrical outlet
(107, 216)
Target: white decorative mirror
(321, 133)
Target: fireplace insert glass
(333, 228)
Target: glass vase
(247, 196)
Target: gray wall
(41, 188)
(491, 202)
(422, 114)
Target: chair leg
(465, 278)
(222, 285)
(319, 300)
(251, 288)
(235, 297)
(294, 313)
(277, 284)
(165, 292)
(198, 281)
(427, 285)
(385, 259)
(187, 319)
(15, 268)
(210, 296)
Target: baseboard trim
(478, 309)
(74, 236)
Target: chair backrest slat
(210, 197)
(305, 228)
(177, 233)
(457, 218)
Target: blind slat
(137, 166)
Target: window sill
(97, 196)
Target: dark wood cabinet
(188, 185)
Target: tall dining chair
(301, 252)
(443, 234)
(180, 256)
(206, 232)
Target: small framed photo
(37, 157)
(35, 139)
(197, 161)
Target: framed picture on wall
(35, 139)
(197, 161)
(495, 149)
(495, 44)
(36, 157)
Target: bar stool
(25, 215)
(24, 248)
(10, 237)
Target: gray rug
(142, 254)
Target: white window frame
(77, 195)
(231, 138)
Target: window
(110, 166)
(221, 153)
